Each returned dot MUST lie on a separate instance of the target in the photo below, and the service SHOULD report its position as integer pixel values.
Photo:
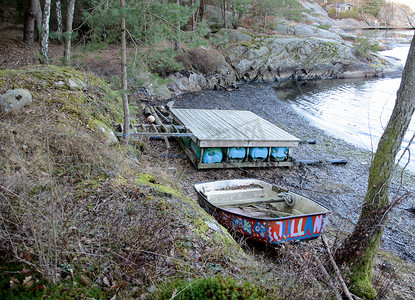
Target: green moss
(362, 287)
(216, 287)
(225, 239)
(145, 179)
(149, 180)
(121, 180)
(92, 183)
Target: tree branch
(336, 269)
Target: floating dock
(233, 138)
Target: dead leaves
(27, 283)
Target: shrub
(363, 45)
(163, 62)
(199, 60)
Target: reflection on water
(356, 110)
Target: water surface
(355, 110)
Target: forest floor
(340, 188)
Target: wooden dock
(225, 130)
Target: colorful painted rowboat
(262, 211)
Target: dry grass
(72, 209)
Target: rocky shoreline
(340, 188)
(300, 52)
(321, 49)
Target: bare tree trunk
(202, 9)
(44, 40)
(59, 19)
(192, 2)
(265, 19)
(359, 250)
(31, 19)
(38, 14)
(68, 33)
(224, 13)
(29, 28)
(177, 45)
(124, 74)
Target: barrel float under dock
(236, 153)
(258, 153)
(279, 153)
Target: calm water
(355, 110)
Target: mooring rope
(132, 148)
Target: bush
(353, 14)
(163, 62)
(363, 45)
(200, 60)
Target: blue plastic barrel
(212, 155)
(237, 153)
(279, 153)
(258, 153)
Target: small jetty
(232, 138)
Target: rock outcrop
(271, 58)
(293, 51)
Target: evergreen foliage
(157, 27)
(363, 46)
(372, 6)
(148, 22)
(262, 15)
(163, 62)
(353, 13)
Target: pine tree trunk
(177, 45)
(37, 10)
(68, 33)
(124, 75)
(192, 2)
(44, 40)
(224, 13)
(359, 250)
(29, 28)
(202, 9)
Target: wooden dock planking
(231, 128)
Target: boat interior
(257, 199)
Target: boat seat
(245, 202)
(230, 195)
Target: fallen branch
(336, 269)
(328, 279)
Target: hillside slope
(76, 210)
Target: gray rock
(315, 7)
(106, 133)
(182, 84)
(72, 85)
(14, 100)
(60, 84)
(325, 34)
(302, 30)
(279, 58)
(234, 36)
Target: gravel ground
(340, 188)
